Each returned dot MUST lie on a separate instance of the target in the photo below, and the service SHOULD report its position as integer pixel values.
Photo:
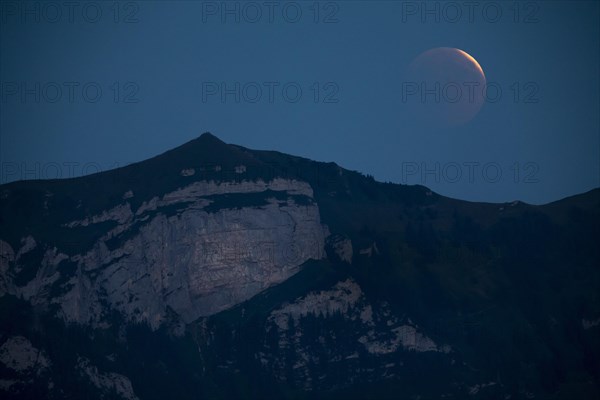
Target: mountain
(216, 271)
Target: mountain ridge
(276, 276)
(203, 149)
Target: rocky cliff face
(196, 251)
(374, 332)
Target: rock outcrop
(305, 339)
(109, 384)
(341, 247)
(195, 251)
(23, 364)
(18, 354)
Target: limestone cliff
(192, 251)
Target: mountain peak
(209, 136)
(207, 142)
(206, 149)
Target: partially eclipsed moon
(445, 86)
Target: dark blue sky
(161, 67)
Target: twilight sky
(89, 86)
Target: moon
(445, 86)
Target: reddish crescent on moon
(445, 86)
